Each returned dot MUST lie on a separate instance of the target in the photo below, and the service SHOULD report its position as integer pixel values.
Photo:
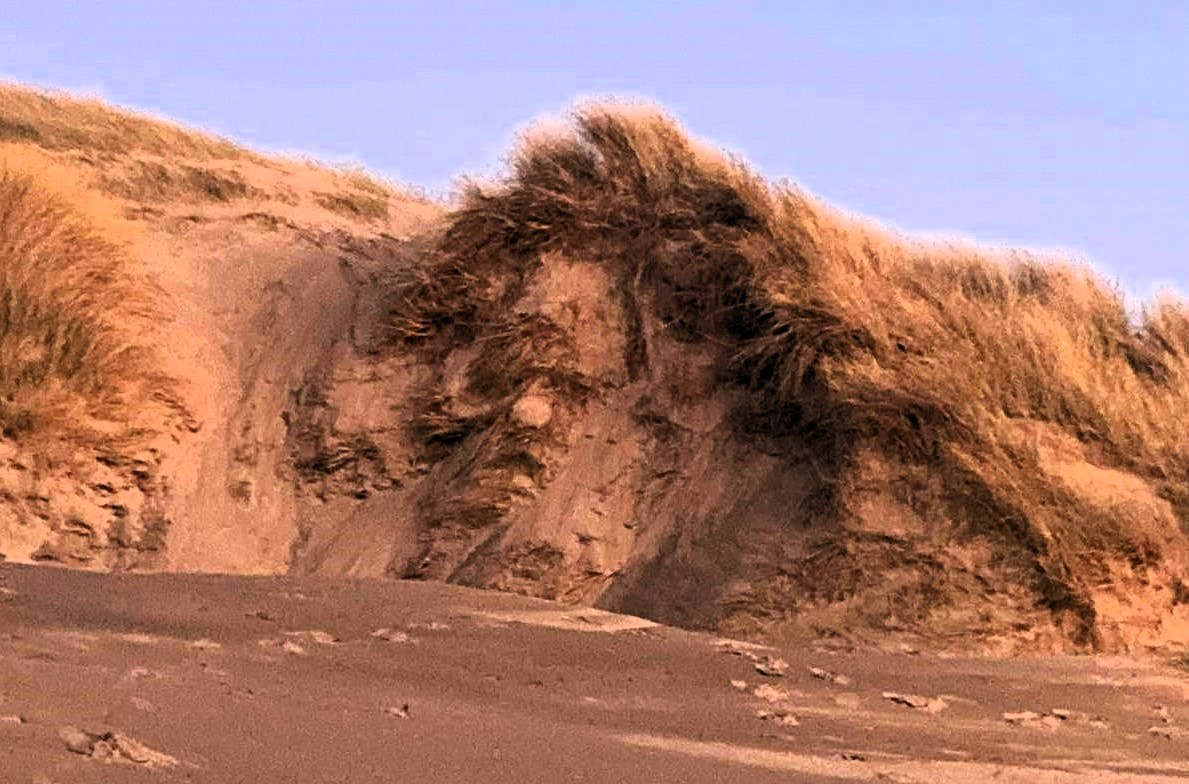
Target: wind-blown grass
(849, 337)
(76, 360)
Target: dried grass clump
(150, 181)
(58, 121)
(355, 205)
(76, 360)
(849, 337)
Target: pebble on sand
(773, 668)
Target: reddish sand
(509, 689)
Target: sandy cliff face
(261, 266)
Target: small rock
(1061, 713)
(76, 740)
(770, 693)
(534, 411)
(783, 718)
(773, 668)
(853, 756)
(735, 648)
(928, 704)
(130, 748)
(12, 719)
(143, 704)
(1162, 713)
(432, 626)
(315, 636)
(7, 594)
(391, 635)
(832, 677)
(1021, 717)
(293, 648)
(401, 713)
(739, 685)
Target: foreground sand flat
(140, 678)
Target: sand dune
(631, 375)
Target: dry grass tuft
(151, 181)
(850, 338)
(58, 121)
(76, 362)
(362, 206)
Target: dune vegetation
(1016, 383)
(77, 360)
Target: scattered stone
(132, 749)
(770, 693)
(927, 704)
(853, 756)
(1162, 714)
(1167, 731)
(832, 677)
(773, 668)
(113, 747)
(783, 718)
(12, 720)
(76, 740)
(392, 635)
(739, 685)
(1054, 719)
(736, 648)
(401, 713)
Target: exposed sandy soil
(281, 679)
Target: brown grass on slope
(58, 121)
(850, 339)
(76, 362)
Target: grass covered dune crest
(1047, 418)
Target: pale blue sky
(1051, 124)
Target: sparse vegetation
(154, 181)
(57, 121)
(355, 205)
(851, 340)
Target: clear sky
(1045, 123)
